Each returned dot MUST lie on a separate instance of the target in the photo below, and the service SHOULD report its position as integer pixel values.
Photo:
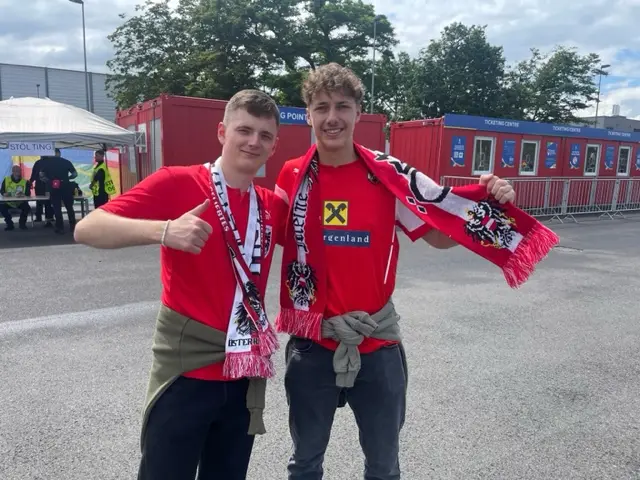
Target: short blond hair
(332, 78)
(255, 102)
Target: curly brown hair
(257, 103)
(331, 78)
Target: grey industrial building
(65, 86)
(614, 121)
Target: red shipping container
(468, 146)
(183, 131)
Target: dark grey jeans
(377, 399)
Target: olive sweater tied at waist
(181, 344)
(350, 329)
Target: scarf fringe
(300, 323)
(268, 342)
(247, 364)
(534, 247)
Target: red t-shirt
(200, 286)
(361, 243)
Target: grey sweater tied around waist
(350, 329)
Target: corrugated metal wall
(19, 81)
(66, 86)
(101, 104)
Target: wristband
(164, 232)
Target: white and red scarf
(250, 338)
(502, 234)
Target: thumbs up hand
(189, 232)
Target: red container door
(293, 141)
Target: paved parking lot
(537, 383)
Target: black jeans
(60, 196)
(43, 205)
(377, 399)
(5, 210)
(198, 424)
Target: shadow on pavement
(36, 236)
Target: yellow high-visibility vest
(109, 187)
(12, 188)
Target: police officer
(101, 182)
(57, 173)
(15, 186)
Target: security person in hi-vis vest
(15, 186)
(101, 183)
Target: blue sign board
(508, 153)
(293, 115)
(609, 153)
(638, 159)
(551, 159)
(458, 145)
(574, 156)
(534, 128)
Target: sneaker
(23, 227)
(48, 225)
(8, 228)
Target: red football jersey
(200, 286)
(360, 239)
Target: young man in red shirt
(338, 354)
(213, 343)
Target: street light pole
(84, 43)
(373, 63)
(601, 71)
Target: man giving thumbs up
(213, 343)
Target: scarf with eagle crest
(250, 338)
(502, 234)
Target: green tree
(552, 87)
(212, 48)
(204, 48)
(458, 73)
(151, 53)
(394, 77)
(326, 31)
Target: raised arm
(415, 228)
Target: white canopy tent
(31, 119)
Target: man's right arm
(2, 188)
(101, 229)
(145, 216)
(73, 173)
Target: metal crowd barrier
(566, 198)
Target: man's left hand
(499, 188)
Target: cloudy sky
(49, 32)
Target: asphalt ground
(537, 383)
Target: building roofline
(50, 68)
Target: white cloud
(49, 32)
(606, 27)
(628, 97)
